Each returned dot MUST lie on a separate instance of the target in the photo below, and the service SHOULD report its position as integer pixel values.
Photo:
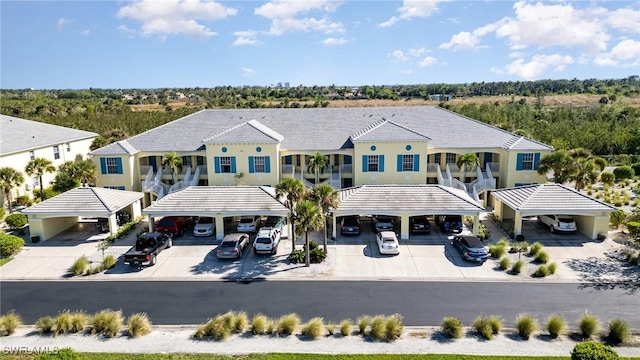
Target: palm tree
(86, 171)
(586, 172)
(174, 163)
(38, 167)
(308, 217)
(10, 178)
(560, 163)
(317, 164)
(326, 197)
(467, 161)
(292, 190)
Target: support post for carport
(113, 224)
(404, 227)
(333, 226)
(517, 224)
(476, 224)
(152, 224)
(219, 219)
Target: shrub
(3, 212)
(636, 168)
(108, 262)
(107, 322)
(296, 257)
(496, 323)
(93, 270)
(623, 172)
(556, 325)
(535, 248)
(10, 244)
(619, 331)
(483, 232)
(287, 324)
(9, 323)
(552, 268)
(517, 267)
(16, 220)
(62, 323)
(363, 322)
(526, 325)
(589, 325)
(542, 271)
(313, 328)
(138, 325)
(394, 327)
(331, 329)
(607, 177)
(241, 322)
(483, 326)
(451, 327)
(345, 327)
(519, 247)
(591, 350)
(542, 257)
(80, 266)
(378, 325)
(259, 324)
(70, 322)
(505, 263)
(497, 251)
(45, 325)
(600, 162)
(218, 328)
(633, 227)
(317, 255)
(61, 354)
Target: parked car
(388, 243)
(232, 246)
(420, 224)
(449, 223)
(350, 225)
(147, 248)
(471, 247)
(266, 241)
(205, 226)
(248, 224)
(175, 225)
(276, 222)
(383, 223)
(563, 223)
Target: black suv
(350, 225)
(449, 223)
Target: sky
(203, 43)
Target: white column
(219, 219)
(135, 210)
(333, 225)
(476, 224)
(113, 224)
(404, 227)
(152, 224)
(517, 223)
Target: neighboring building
(23, 140)
(441, 97)
(383, 145)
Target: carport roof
(539, 199)
(224, 200)
(415, 199)
(85, 201)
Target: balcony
(494, 166)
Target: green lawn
(4, 260)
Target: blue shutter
(416, 162)
(251, 167)
(103, 165)
(536, 161)
(119, 165)
(519, 161)
(267, 164)
(399, 165)
(381, 163)
(216, 164)
(365, 163)
(233, 164)
(120, 187)
(152, 162)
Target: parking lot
(423, 256)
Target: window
(200, 160)
(114, 187)
(374, 162)
(407, 162)
(436, 158)
(259, 164)
(56, 152)
(527, 161)
(224, 164)
(451, 158)
(68, 146)
(111, 165)
(186, 161)
(32, 155)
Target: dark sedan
(350, 225)
(471, 248)
(420, 224)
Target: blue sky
(201, 43)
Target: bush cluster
(589, 325)
(591, 350)
(316, 254)
(9, 322)
(16, 220)
(80, 266)
(10, 245)
(526, 325)
(314, 328)
(138, 325)
(619, 331)
(556, 325)
(487, 326)
(69, 322)
(107, 322)
(451, 327)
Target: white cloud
(625, 19)
(284, 16)
(334, 41)
(517, 54)
(621, 54)
(85, 32)
(62, 22)
(129, 32)
(246, 38)
(399, 55)
(461, 41)
(248, 72)
(417, 52)
(538, 64)
(428, 61)
(172, 17)
(411, 9)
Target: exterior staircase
(483, 182)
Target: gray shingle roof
(250, 132)
(417, 199)
(232, 200)
(550, 199)
(327, 128)
(85, 201)
(385, 130)
(18, 135)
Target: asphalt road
(421, 303)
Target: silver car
(232, 246)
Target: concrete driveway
(428, 257)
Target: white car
(388, 243)
(205, 226)
(248, 224)
(267, 241)
(563, 223)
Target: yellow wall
(242, 153)
(126, 179)
(49, 227)
(514, 176)
(591, 226)
(390, 150)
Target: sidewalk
(415, 340)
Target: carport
(218, 202)
(63, 211)
(405, 201)
(591, 215)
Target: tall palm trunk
(41, 190)
(324, 243)
(8, 195)
(307, 258)
(293, 234)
